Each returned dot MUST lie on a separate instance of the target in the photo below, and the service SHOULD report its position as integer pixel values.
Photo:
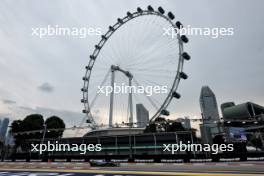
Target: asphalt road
(68, 169)
(54, 174)
(239, 168)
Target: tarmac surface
(130, 169)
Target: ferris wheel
(135, 52)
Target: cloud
(46, 87)
(219, 63)
(70, 117)
(4, 115)
(6, 101)
(25, 108)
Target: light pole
(130, 125)
(44, 133)
(130, 145)
(3, 150)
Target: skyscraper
(3, 128)
(208, 105)
(142, 115)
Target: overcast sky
(44, 75)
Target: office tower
(226, 105)
(142, 115)
(3, 128)
(244, 111)
(208, 105)
(186, 123)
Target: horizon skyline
(44, 75)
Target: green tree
(16, 127)
(54, 122)
(151, 128)
(175, 126)
(160, 120)
(29, 123)
(162, 124)
(33, 122)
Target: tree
(54, 122)
(161, 124)
(16, 127)
(29, 123)
(151, 128)
(160, 120)
(175, 126)
(33, 122)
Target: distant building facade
(209, 131)
(9, 139)
(244, 111)
(210, 115)
(226, 105)
(142, 115)
(208, 104)
(3, 128)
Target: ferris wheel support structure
(115, 68)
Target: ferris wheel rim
(112, 29)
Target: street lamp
(44, 133)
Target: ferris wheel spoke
(102, 83)
(148, 98)
(154, 70)
(153, 62)
(164, 76)
(138, 58)
(141, 39)
(147, 82)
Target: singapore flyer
(135, 54)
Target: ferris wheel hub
(117, 68)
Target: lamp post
(130, 125)
(44, 133)
(130, 144)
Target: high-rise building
(3, 128)
(142, 116)
(208, 105)
(244, 111)
(226, 105)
